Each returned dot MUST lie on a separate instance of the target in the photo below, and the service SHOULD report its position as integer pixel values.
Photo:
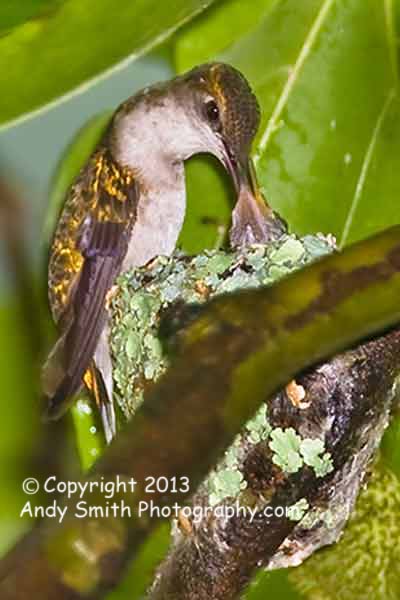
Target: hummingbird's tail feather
(102, 376)
(104, 402)
(70, 359)
(60, 400)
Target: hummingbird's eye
(212, 112)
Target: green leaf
(275, 584)
(15, 13)
(209, 205)
(218, 29)
(391, 445)
(364, 563)
(326, 75)
(46, 58)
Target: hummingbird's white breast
(160, 216)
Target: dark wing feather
(102, 263)
(103, 243)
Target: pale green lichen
(227, 480)
(291, 452)
(234, 453)
(218, 263)
(314, 455)
(285, 444)
(289, 252)
(320, 515)
(259, 427)
(297, 511)
(277, 272)
(225, 483)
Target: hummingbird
(127, 206)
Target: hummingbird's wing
(101, 240)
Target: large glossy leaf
(218, 29)
(272, 584)
(325, 72)
(14, 13)
(48, 57)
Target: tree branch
(346, 405)
(239, 350)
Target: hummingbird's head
(210, 109)
(222, 117)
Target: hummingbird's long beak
(253, 221)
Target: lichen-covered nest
(145, 295)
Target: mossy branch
(239, 350)
(304, 455)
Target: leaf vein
(391, 37)
(293, 76)
(365, 168)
